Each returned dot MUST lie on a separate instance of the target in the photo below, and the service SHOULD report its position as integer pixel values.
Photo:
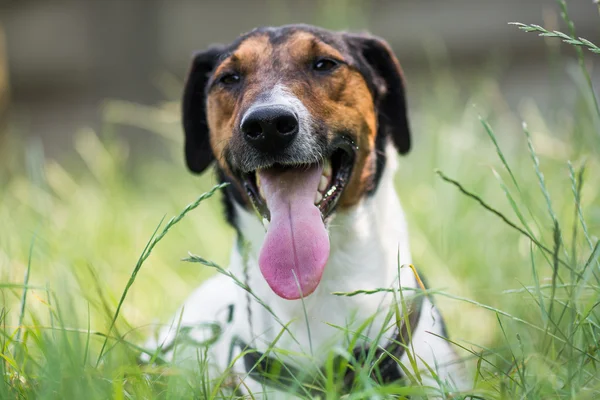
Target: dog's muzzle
(270, 129)
(294, 177)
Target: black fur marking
(198, 153)
(383, 76)
(440, 319)
(391, 106)
(230, 194)
(380, 161)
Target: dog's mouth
(335, 174)
(296, 201)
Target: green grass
(506, 232)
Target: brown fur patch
(224, 107)
(341, 100)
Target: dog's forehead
(282, 35)
(295, 40)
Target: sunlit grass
(506, 234)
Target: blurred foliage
(3, 91)
(73, 230)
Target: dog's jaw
(368, 243)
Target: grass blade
(148, 250)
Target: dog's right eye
(230, 79)
(325, 65)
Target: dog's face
(297, 119)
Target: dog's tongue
(296, 246)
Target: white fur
(365, 244)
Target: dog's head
(297, 118)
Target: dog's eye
(230, 79)
(324, 64)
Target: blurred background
(65, 57)
(91, 144)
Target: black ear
(383, 72)
(198, 153)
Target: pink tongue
(296, 246)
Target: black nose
(270, 128)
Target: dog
(305, 125)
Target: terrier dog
(305, 125)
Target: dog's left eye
(230, 79)
(324, 64)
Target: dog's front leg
(205, 321)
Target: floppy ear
(382, 70)
(198, 153)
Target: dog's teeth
(259, 186)
(327, 168)
(318, 197)
(265, 223)
(323, 183)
